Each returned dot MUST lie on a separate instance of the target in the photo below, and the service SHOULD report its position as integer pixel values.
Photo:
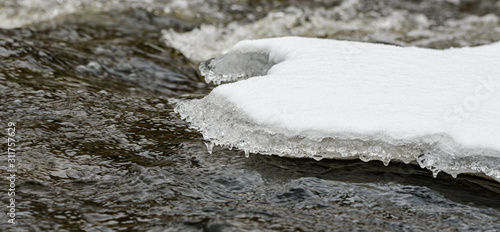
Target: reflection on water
(100, 148)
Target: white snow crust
(318, 98)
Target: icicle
(210, 147)
(435, 172)
(317, 157)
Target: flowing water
(91, 86)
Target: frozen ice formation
(236, 66)
(318, 98)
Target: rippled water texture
(91, 86)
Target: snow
(435, 106)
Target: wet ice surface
(100, 148)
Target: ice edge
(235, 66)
(222, 124)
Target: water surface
(91, 87)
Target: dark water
(99, 147)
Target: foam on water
(320, 99)
(351, 19)
(17, 13)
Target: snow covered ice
(317, 98)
